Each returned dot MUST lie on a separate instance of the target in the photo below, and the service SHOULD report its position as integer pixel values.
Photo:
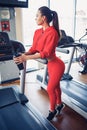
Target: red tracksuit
(45, 43)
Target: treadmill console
(2, 41)
(5, 44)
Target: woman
(45, 41)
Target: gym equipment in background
(8, 69)
(83, 56)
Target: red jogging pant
(56, 69)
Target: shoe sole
(58, 112)
(52, 117)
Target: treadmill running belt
(77, 93)
(15, 114)
(16, 117)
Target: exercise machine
(43, 79)
(16, 112)
(7, 65)
(83, 56)
(74, 93)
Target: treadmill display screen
(2, 41)
(14, 3)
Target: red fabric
(45, 43)
(56, 69)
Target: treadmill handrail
(81, 45)
(62, 50)
(44, 61)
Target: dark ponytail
(55, 21)
(51, 16)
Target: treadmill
(16, 112)
(74, 93)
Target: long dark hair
(51, 16)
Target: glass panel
(64, 9)
(81, 20)
(29, 24)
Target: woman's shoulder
(38, 30)
(52, 31)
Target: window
(81, 20)
(29, 24)
(72, 17)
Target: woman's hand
(20, 59)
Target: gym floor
(68, 119)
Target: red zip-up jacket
(45, 42)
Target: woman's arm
(25, 57)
